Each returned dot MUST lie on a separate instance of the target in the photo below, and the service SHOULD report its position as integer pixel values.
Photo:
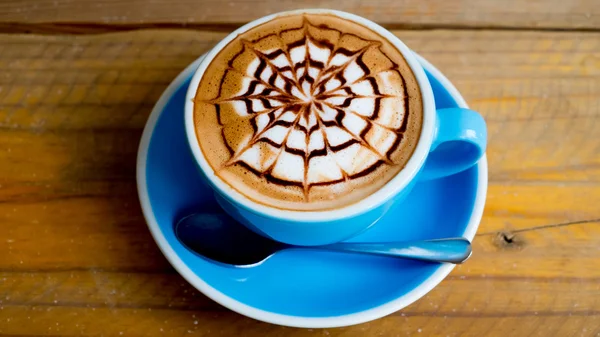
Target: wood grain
(76, 257)
(99, 14)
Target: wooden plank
(71, 113)
(135, 322)
(531, 295)
(103, 218)
(457, 296)
(87, 303)
(461, 13)
(529, 86)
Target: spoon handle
(455, 250)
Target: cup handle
(459, 141)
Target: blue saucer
(305, 288)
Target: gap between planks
(564, 224)
(75, 28)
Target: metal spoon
(217, 236)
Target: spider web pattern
(300, 104)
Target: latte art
(316, 110)
(309, 114)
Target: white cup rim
(388, 191)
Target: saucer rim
(275, 318)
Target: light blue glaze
(299, 282)
(302, 233)
(460, 140)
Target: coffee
(308, 112)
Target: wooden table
(76, 257)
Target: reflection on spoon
(217, 236)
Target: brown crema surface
(308, 112)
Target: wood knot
(508, 240)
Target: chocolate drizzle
(319, 96)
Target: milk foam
(347, 93)
(311, 111)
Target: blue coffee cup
(451, 140)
